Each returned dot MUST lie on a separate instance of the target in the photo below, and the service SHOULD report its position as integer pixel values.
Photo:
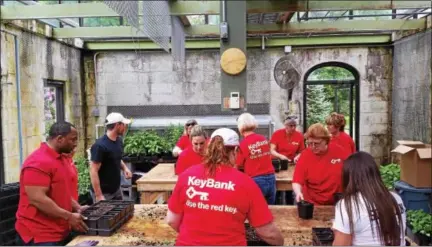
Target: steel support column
(236, 18)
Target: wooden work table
(160, 181)
(147, 227)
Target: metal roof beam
(99, 9)
(289, 28)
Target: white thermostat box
(234, 100)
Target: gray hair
(246, 122)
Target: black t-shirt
(109, 153)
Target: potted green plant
(390, 173)
(84, 182)
(419, 225)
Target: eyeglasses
(314, 144)
(291, 125)
(190, 124)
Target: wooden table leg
(166, 196)
(149, 197)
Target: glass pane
(101, 22)
(330, 73)
(196, 19)
(318, 104)
(48, 2)
(213, 19)
(50, 110)
(9, 3)
(373, 14)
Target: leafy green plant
(84, 182)
(420, 222)
(390, 173)
(147, 142)
(172, 134)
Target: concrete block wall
(152, 78)
(39, 59)
(411, 101)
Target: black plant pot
(284, 165)
(305, 210)
(276, 165)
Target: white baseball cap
(115, 117)
(229, 136)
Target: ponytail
(216, 155)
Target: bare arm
(37, 196)
(75, 206)
(94, 177)
(126, 171)
(342, 239)
(174, 220)
(297, 188)
(275, 153)
(271, 234)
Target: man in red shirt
(318, 173)
(47, 211)
(210, 202)
(287, 143)
(193, 155)
(254, 156)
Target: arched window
(332, 87)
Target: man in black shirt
(106, 160)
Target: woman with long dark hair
(369, 214)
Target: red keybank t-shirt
(254, 156)
(44, 167)
(345, 141)
(187, 159)
(184, 142)
(215, 209)
(320, 176)
(288, 145)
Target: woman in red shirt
(336, 125)
(193, 155)
(210, 202)
(255, 158)
(318, 173)
(287, 143)
(184, 141)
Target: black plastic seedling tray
(11, 200)
(108, 231)
(322, 236)
(105, 217)
(8, 190)
(8, 212)
(7, 237)
(7, 225)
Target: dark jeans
(267, 184)
(20, 242)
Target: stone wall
(39, 59)
(411, 101)
(147, 79)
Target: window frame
(59, 92)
